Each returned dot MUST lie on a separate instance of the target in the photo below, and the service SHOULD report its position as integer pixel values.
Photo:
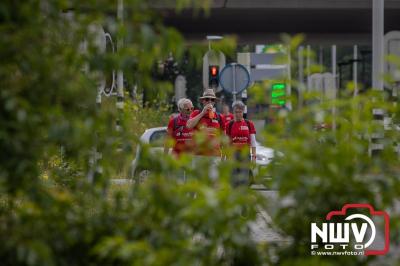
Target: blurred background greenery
(59, 151)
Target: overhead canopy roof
(259, 21)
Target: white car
(156, 136)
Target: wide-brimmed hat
(208, 93)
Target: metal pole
(234, 81)
(321, 56)
(300, 53)
(244, 100)
(308, 63)
(289, 81)
(377, 43)
(355, 79)
(334, 63)
(335, 85)
(120, 74)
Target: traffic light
(278, 94)
(213, 63)
(213, 76)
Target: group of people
(199, 131)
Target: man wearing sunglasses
(208, 122)
(177, 130)
(208, 127)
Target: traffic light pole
(234, 83)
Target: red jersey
(239, 132)
(180, 133)
(228, 117)
(213, 127)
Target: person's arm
(253, 140)
(253, 146)
(192, 122)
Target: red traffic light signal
(214, 71)
(213, 74)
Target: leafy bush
(59, 151)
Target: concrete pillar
(376, 139)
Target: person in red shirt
(209, 127)
(209, 122)
(178, 131)
(242, 135)
(228, 116)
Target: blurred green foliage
(327, 162)
(59, 151)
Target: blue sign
(234, 78)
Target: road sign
(266, 66)
(234, 78)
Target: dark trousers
(241, 172)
